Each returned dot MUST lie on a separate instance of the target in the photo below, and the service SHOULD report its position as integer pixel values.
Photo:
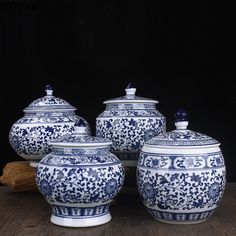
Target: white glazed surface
(181, 184)
(80, 184)
(128, 122)
(30, 135)
(181, 187)
(45, 119)
(81, 222)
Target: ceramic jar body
(181, 186)
(29, 136)
(80, 184)
(128, 126)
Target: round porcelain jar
(129, 121)
(181, 175)
(80, 178)
(45, 119)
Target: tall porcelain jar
(80, 178)
(45, 119)
(129, 121)
(181, 175)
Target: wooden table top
(29, 214)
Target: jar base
(184, 218)
(82, 222)
(181, 222)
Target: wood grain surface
(19, 176)
(29, 214)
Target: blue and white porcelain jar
(181, 175)
(45, 119)
(129, 121)
(80, 178)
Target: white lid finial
(130, 89)
(80, 127)
(181, 125)
(49, 90)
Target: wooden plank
(28, 214)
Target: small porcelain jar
(80, 178)
(45, 119)
(129, 121)
(181, 175)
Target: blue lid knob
(181, 115)
(48, 87)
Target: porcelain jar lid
(49, 103)
(130, 97)
(182, 137)
(80, 138)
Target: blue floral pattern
(181, 191)
(71, 158)
(182, 138)
(181, 162)
(111, 186)
(214, 190)
(30, 135)
(45, 102)
(128, 122)
(130, 110)
(148, 191)
(135, 106)
(32, 140)
(129, 134)
(173, 185)
(45, 187)
(80, 182)
(81, 185)
(48, 117)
